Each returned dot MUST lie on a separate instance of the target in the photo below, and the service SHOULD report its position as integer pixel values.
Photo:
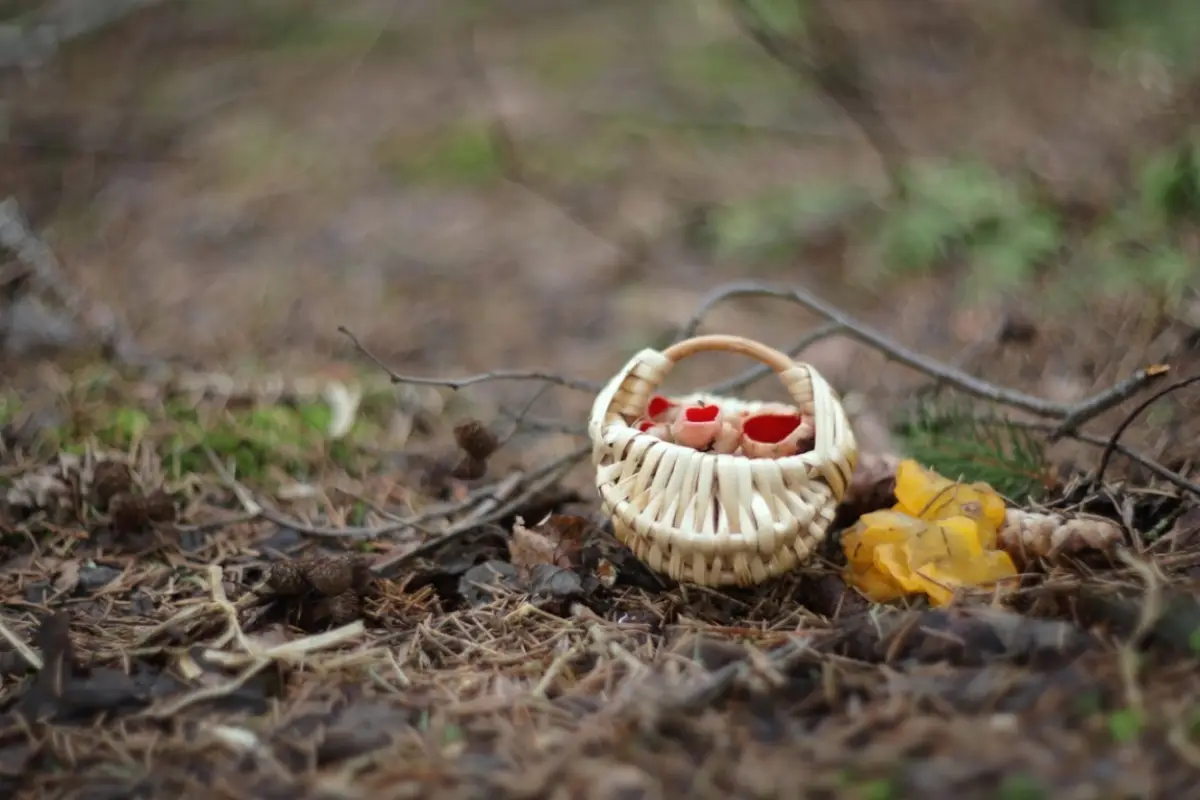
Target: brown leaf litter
(530, 655)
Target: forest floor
(236, 189)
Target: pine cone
(435, 478)
(343, 608)
(127, 512)
(470, 469)
(109, 479)
(287, 578)
(475, 439)
(363, 577)
(1027, 535)
(330, 575)
(160, 506)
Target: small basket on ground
(718, 519)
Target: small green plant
(968, 211)
(9, 408)
(460, 153)
(1167, 28)
(1170, 183)
(1019, 786)
(769, 225)
(1125, 725)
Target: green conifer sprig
(957, 441)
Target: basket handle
(779, 362)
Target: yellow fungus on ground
(939, 537)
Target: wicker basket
(711, 519)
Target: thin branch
(41, 33)
(633, 247)
(20, 646)
(522, 416)
(256, 510)
(834, 66)
(47, 275)
(507, 496)
(578, 384)
(1070, 416)
(1129, 420)
(1152, 466)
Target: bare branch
(577, 384)
(1151, 466)
(522, 415)
(47, 276)
(29, 41)
(506, 497)
(633, 246)
(1070, 416)
(1129, 419)
(832, 62)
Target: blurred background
(481, 184)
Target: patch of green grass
(1167, 28)
(967, 210)
(1144, 246)
(1020, 787)
(261, 148)
(767, 226)
(287, 438)
(604, 150)
(460, 153)
(305, 27)
(1170, 183)
(567, 59)
(9, 407)
(878, 789)
(728, 64)
(1125, 725)
(785, 17)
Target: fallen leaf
(68, 576)
(557, 540)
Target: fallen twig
(470, 380)
(506, 497)
(1148, 463)
(48, 276)
(256, 510)
(1129, 419)
(1069, 415)
(830, 60)
(23, 649)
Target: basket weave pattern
(715, 519)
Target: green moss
(768, 225)
(1125, 725)
(723, 64)
(568, 59)
(1020, 787)
(460, 153)
(967, 210)
(288, 438)
(9, 407)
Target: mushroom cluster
(772, 430)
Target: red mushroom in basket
(697, 426)
(660, 413)
(776, 435)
